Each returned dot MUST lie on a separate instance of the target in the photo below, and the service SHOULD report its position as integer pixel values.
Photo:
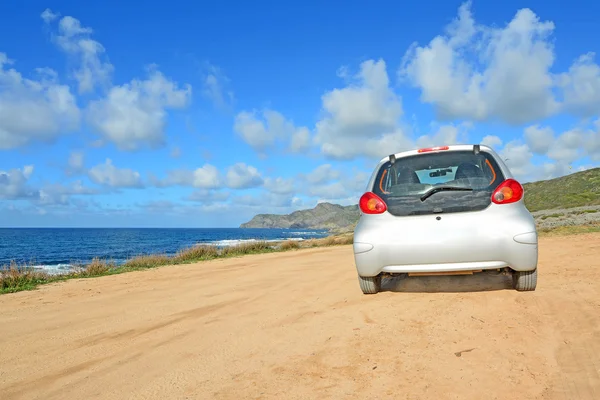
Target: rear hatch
(439, 210)
(450, 181)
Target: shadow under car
(484, 281)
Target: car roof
(454, 147)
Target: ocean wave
(237, 242)
(303, 233)
(56, 269)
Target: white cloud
(206, 196)
(581, 85)
(76, 163)
(14, 184)
(205, 177)
(263, 201)
(298, 202)
(361, 118)
(61, 194)
(109, 175)
(324, 182)
(342, 201)
(242, 176)
(33, 110)
(491, 141)
(517, 157)
(560, 152)
(215, 87)
(134, 114)
(346, 189)
(131, 115)
(385, 145)
(71, 37)
(539, 138)
(479, 72)
(253, 131)
(48, 16)
(567, 147)
(262, 134)
(280, 185)
(552, 170)
(300, 140)
(593, 142)
(329, 191)
(357, 182)
(322, 174)
(445, 135)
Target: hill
(575, 190)
(323, 216)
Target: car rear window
(467, 179)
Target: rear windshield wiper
(436, 189)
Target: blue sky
(185, 114)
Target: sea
(62, 250)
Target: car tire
(525, 281)
(370, 284)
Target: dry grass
(328, 241)
(345, 239)
(311, 243)
(337, 240)
(247, 248)
(96, 268)
(146, 261)
(569, 230)
(14, 278)
(195, 253)
(289, 245)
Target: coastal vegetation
(15, 278)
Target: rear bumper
(448, 267)
(519, 253)
(497, 237)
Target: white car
(444, 210)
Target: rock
(333, 217)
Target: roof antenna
(476, 149)
(392, 159)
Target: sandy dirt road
(296, 326)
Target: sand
(296, 326)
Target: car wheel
(370, 284)
(524, 281)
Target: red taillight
(370, 203)
(428, 149)
(509, 191)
